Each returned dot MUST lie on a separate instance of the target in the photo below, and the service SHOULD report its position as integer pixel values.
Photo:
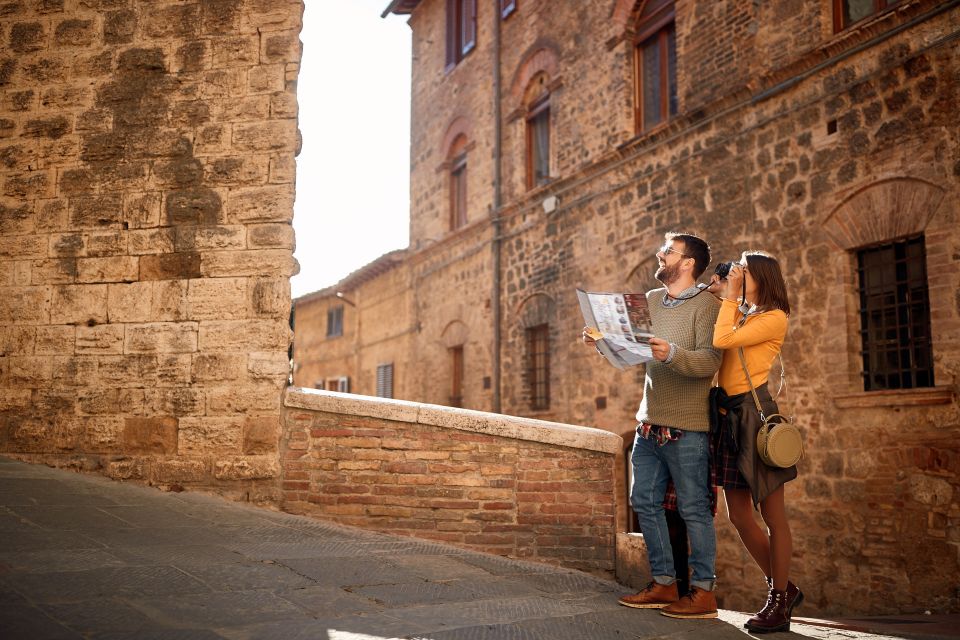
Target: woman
(753, 317)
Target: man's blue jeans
(686, 461)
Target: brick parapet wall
(499, 484)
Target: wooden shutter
(453, 26)
(385, 380)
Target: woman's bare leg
(774, 514)
(740, 512)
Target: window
(335, 321)
(507, 7)
(385, 380)
(341, 384)
(847, 12)
(538, 366)
(458, 183)
(461, 30)
(456, 387)
(538, 142)
(895, 316)
(655, 65)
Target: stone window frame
(457, 180)
(537, 118)
(654, 19)
(455, 336)
(840, 24)
(884, 210)
(535, 85)
(461, 31)
(455, 147)
(335, 321)
(536, 311)
(384, 380)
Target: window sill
(899, 397)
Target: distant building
(552, 146)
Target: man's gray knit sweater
(675, 394)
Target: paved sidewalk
(84, 557)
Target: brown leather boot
(774, 616)
(699, 603)
(654, 596)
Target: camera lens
(723, 269)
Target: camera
(723, 269)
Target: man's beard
(668, 275)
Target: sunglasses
(667, 250)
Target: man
(672, 441)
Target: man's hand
(660, 348)
(588, 338)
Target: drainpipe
(497, 203)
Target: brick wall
(147, 174)
(511, 486)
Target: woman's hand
(734, 283)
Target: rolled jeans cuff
(664, 580)
(703, 585)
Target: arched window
(537, 100)
(457, 157)
(655, 64)
(461, 30)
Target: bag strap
(753, 391)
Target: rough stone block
(221, 17)
(265, 136)
(180, 471)
(74, 371)
(16, 218)
(102, 434)
(36, 184)
(174, 401)
(237, 171)
(267, 78)
(270, 296)
(54, 128)
(204, 435)
(280, 46)
(170, 301)
(32, 246)
(261, 436)
(217, 368)
(75, 33)
(218, 298)
(96, 211)
(93, 402)
(55, 340)
(283, 169)
(170, 266)
(194, 206)
(260, 262)
(174, 370)
(142, 210)
(235, 51)
(25, 305)
(125, 468)
(102, 339)
(28, 371)
(248, 468)
(119, 27)
(151, 241)
(264, 204)
(161, 337)
(17, 340)
(252, 399)
(276, 235)
(129, 302)
(106, 243)
(67, 245)
(150, 435)
(244, 335)
(27, 36)
(112, 269)
(79, 304)
(269, 365)
(191, 238)
(169, 22)
(61, 271)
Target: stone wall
(789, 137)
(510, 486)
(147, 174)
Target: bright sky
(353, 174)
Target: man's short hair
(693, 247)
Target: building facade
(551, 148)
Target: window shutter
(469, 19)
(385, 380)
(343, 384)
(507, 7)
(453, 24)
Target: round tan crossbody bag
(779, 441)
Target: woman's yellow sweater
(761, 337)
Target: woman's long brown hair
(771, 288)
